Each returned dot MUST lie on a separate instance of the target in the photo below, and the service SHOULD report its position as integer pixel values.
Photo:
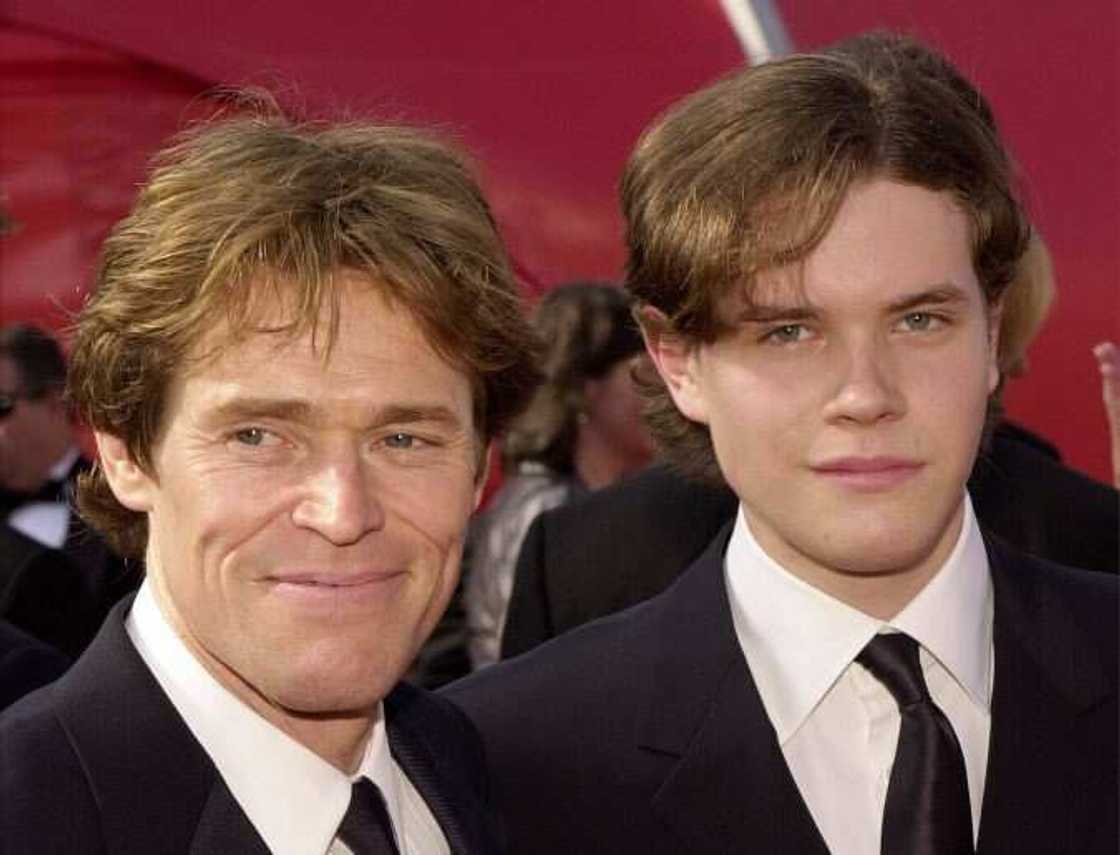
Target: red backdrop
(550, 97)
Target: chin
(326, 684)
(333, 698)
(885, 549)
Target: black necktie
(366, 828)
(927, 810)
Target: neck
(882, 592)
(339, 739)
(599, 463)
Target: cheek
(434, 507)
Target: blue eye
(400, 440)
(786, 334)
(250, 436)
(923, 321)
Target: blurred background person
(25, 664)
(39, 455)
(1026, 306)
(1108, 361)
(58, 579)
(1022, 489)
(582, 431)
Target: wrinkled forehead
(274, 309)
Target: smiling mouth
(335, 591)
(356, 580)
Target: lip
(335, 589)
(869, 474)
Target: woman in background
(581, 431)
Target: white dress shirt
(47, 522)
(294, 799)
(836, 724)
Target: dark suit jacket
(643, 732)
(603, 553)
(61, 596)
(44, 593)
(25, 664)
(628, 542)
(100, 762)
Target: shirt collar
(61, 469)
(798, 640)
(294, 798)
(951, 617)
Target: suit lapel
(154, 785)
(223, 827)
(426, 746)
(730, 782)
(1044, 702)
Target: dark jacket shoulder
(25, 664)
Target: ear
(995, 318)
(132, 486)
(676, 359)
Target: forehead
(887, 239)
(368, 350)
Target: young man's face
(847, 409)
(306, 515)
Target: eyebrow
(761, 313)
(299, 410)
(940, 295)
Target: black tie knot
(366, 828)
(894, 660)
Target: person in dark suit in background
(819, 247)
(302, 340)
(40, 462)
(25, 664)
(628, 543)
(43, 593)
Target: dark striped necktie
(366, 827)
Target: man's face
(846, 409)
(29, 434)
(306, 515)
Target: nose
(340, 500)
(866, 388)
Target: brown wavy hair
(585, 329)
(260, 207)
(748, 174)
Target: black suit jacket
(100, 762)
(643, 732)
(25, 664)
(628, 542)
(44, 593)
(61, 596)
